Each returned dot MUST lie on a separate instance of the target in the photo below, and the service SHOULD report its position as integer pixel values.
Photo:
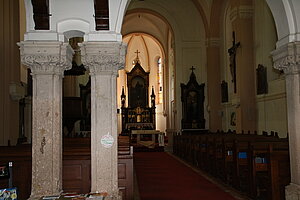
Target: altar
(147, 138)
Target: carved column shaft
(287, 58)
(47, 61)
(104, 59)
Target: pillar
(214, 84)
(47, 62)
(245, 99)
(287, 58)
(103, 60)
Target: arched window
(160, 79)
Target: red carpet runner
(162, 177)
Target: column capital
(213, 42)
(242, 11)
(103, 57)
(46, 57)
(287, 58)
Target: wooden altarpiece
(192, 97)
(138, 114)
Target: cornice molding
(287, 58)
(46, 57)
(103, 57)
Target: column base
(292, 192)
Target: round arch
(287, 20)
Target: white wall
(271, 107)
(77, 15)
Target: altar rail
(76, 167)
(257, 165)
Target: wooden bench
(233, 158)
(76, 167)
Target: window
(160, 79)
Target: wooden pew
(76, 167)
(271, 172)
(232, 158)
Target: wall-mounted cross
(137, 53)
(193, 68)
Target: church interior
(114, 97)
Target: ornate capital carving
(46, 57)
(287, 58)
(103, 57)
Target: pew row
(256, 165)
(76, 167)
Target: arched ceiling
(141, 21)
(147, 46)
(187, 21)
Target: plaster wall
(68, 15)
(271, 107)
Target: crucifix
(232, 59)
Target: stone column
(214, 83)
(47, 61)
(287, 58)
(103, 60)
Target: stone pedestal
(103, 60)
(287, 58)
(47, 61)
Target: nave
(162, 176)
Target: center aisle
(162, 177)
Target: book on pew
(4, 171)
(8, 194)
